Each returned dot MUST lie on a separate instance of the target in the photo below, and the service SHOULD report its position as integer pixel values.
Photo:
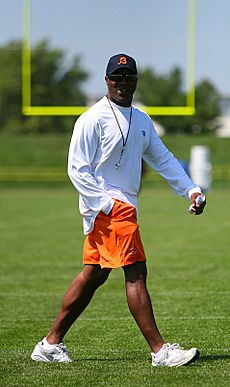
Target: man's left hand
(195, 208)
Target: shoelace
(61, 348)
(173, 346)
(167, 347)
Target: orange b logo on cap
(123, 60)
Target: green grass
(51, 150)
(33, 150)
(188, 263)
(42, 159)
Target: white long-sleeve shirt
(95, 149)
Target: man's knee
(136, 271)
(96, 275)
(102, 276)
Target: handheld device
(199, 200)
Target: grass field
(188, 263)
(37, 158)
(51, 149)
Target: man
(105, 157)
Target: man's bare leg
(76, 299)
(140, 305)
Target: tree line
(56, 83)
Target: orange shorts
(115, 240)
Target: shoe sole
(39, 358)
(43, 359)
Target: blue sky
(153, 31)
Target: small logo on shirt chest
(143, 132)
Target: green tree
(160, 90)
(56, 83)
(167, 90)
(10, 85)
(53, 82)
(207, 107)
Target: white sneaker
(52, 353)
(172, 355)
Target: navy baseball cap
(121, 61)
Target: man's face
(121, 90)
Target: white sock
(47, 345)
(158, 354)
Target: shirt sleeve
(163, 162)
(82, 151)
